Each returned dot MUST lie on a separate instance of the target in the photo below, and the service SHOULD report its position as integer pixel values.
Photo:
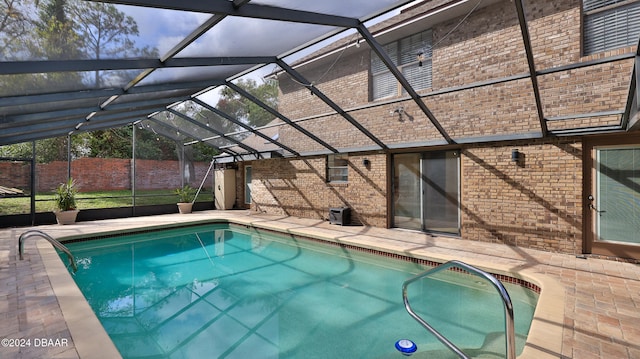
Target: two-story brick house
(525, 135)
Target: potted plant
(65, 197)
(185, 198)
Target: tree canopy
(245, 110)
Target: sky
(234, 36)
(164, 28)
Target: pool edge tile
(88, 335)
(545, 337)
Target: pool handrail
(504, 295)
(53, 241)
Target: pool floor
(232, 292)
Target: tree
(62, 30)
(45, 34)
(203, 152)
(151, 146)
(56, 38)
(14, 25)
(111, 143)
(107, 32)
(245, 110)
(47, 150)
(51, 37)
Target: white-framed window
(337, 168)
(610, 24)
(412, 56)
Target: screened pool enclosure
(136, 98)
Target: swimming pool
(234, 292)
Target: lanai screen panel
(206, 117)
(187, 74)
(310, 112)
(355, 9)
(189, 128)
(159, 129)
(589, 97)
(163, 29)
(133, 100)
(235, 36)
(19, 110)
(55, 82)
(155, 38)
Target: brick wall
(153, 175)
(105, 174)
(343, 84)
(50, 175)
(102, 174)
(488, 45)
(535, 204)
(298, 187)
(15, 174)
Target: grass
(99, 199)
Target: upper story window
(412, 55)
(610, 24)
(337, 168)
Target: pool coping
(89, 336)
(91, 340)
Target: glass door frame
(591, 244)
(420, 166)
(425, 200)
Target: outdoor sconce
(399, 111)
(515, 155)
(420, 57)
(366, 162)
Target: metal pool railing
(53, 241)
(506, 300)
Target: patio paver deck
(599, 310)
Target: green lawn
(101, 199)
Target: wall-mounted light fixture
(397, 111)
(420, 58)
(515, 155)
(366, 162)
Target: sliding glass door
(407, 189)
(441, 191)
(426, 191)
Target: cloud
(235, 36)
(162, 28)
(253, 37)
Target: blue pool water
(221, 291)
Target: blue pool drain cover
(406, 346)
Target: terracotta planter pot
(185, 207)
(66, 217)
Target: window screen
(337, 168)
(412, 55)
(610, 24)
